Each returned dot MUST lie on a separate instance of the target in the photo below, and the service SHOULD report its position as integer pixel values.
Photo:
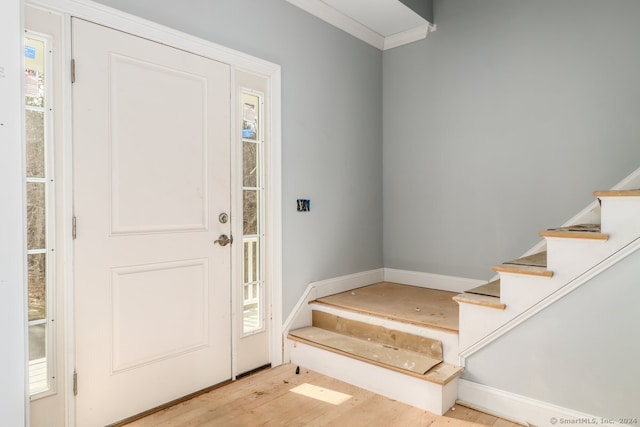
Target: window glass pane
(36, 215)
(38, 370)
(34, 54)
(250, 212)
(250, 164)
(251, 259)
(252, 317)
(37, 283)
(250, 116)
(37, 339)
(34, 128)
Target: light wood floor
(265, 399)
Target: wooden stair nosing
(527, 270)
(617, 193)
(566, 234)
(481, 300)
(442, 373)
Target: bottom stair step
(380, 354)
(435, 392)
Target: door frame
(134, 25)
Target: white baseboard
(521, 409)
(430, 280)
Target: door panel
(151, 175)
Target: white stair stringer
(449, 339)
(408, 389)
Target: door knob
(223, 240)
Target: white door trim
(122, 21)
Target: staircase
(397, 341)
(375, 342)
(570, 252)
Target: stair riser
(521, 292)
(449, 339)
(476, 322)
(620, 215)
(404, 388)
(574, 256)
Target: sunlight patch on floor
(320, 393)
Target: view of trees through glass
(37, 211)
(252, 235)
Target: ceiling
(384, 24)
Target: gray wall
(580, 353)
(501, 124)
(332, 130)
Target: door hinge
(73, 71)
(75, 383)
(74, 233)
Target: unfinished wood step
(377, 334)
(617, 193)
(481, 300)
(531, 265)
(578, 231)
(491, 289)
(428, 308)
(386, 356)
(435, 392)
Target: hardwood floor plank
(265, 399)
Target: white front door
(151, 166)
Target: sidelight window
(253, 213)
(39, 188)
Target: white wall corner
(521, 409)
(430, 280)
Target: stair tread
(491, 289)
(482, 300)
(531, 265)
(536, 260)
(577, 231)
(617, 193)
(429, 308)
(523, 269)
(382, 355)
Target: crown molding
(409, 36)
(323, 11)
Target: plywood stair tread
(491, 289)
(429, 308)
(617, 193)
(394, 358)
(487, 295)
(578, 231)
(531, 265)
